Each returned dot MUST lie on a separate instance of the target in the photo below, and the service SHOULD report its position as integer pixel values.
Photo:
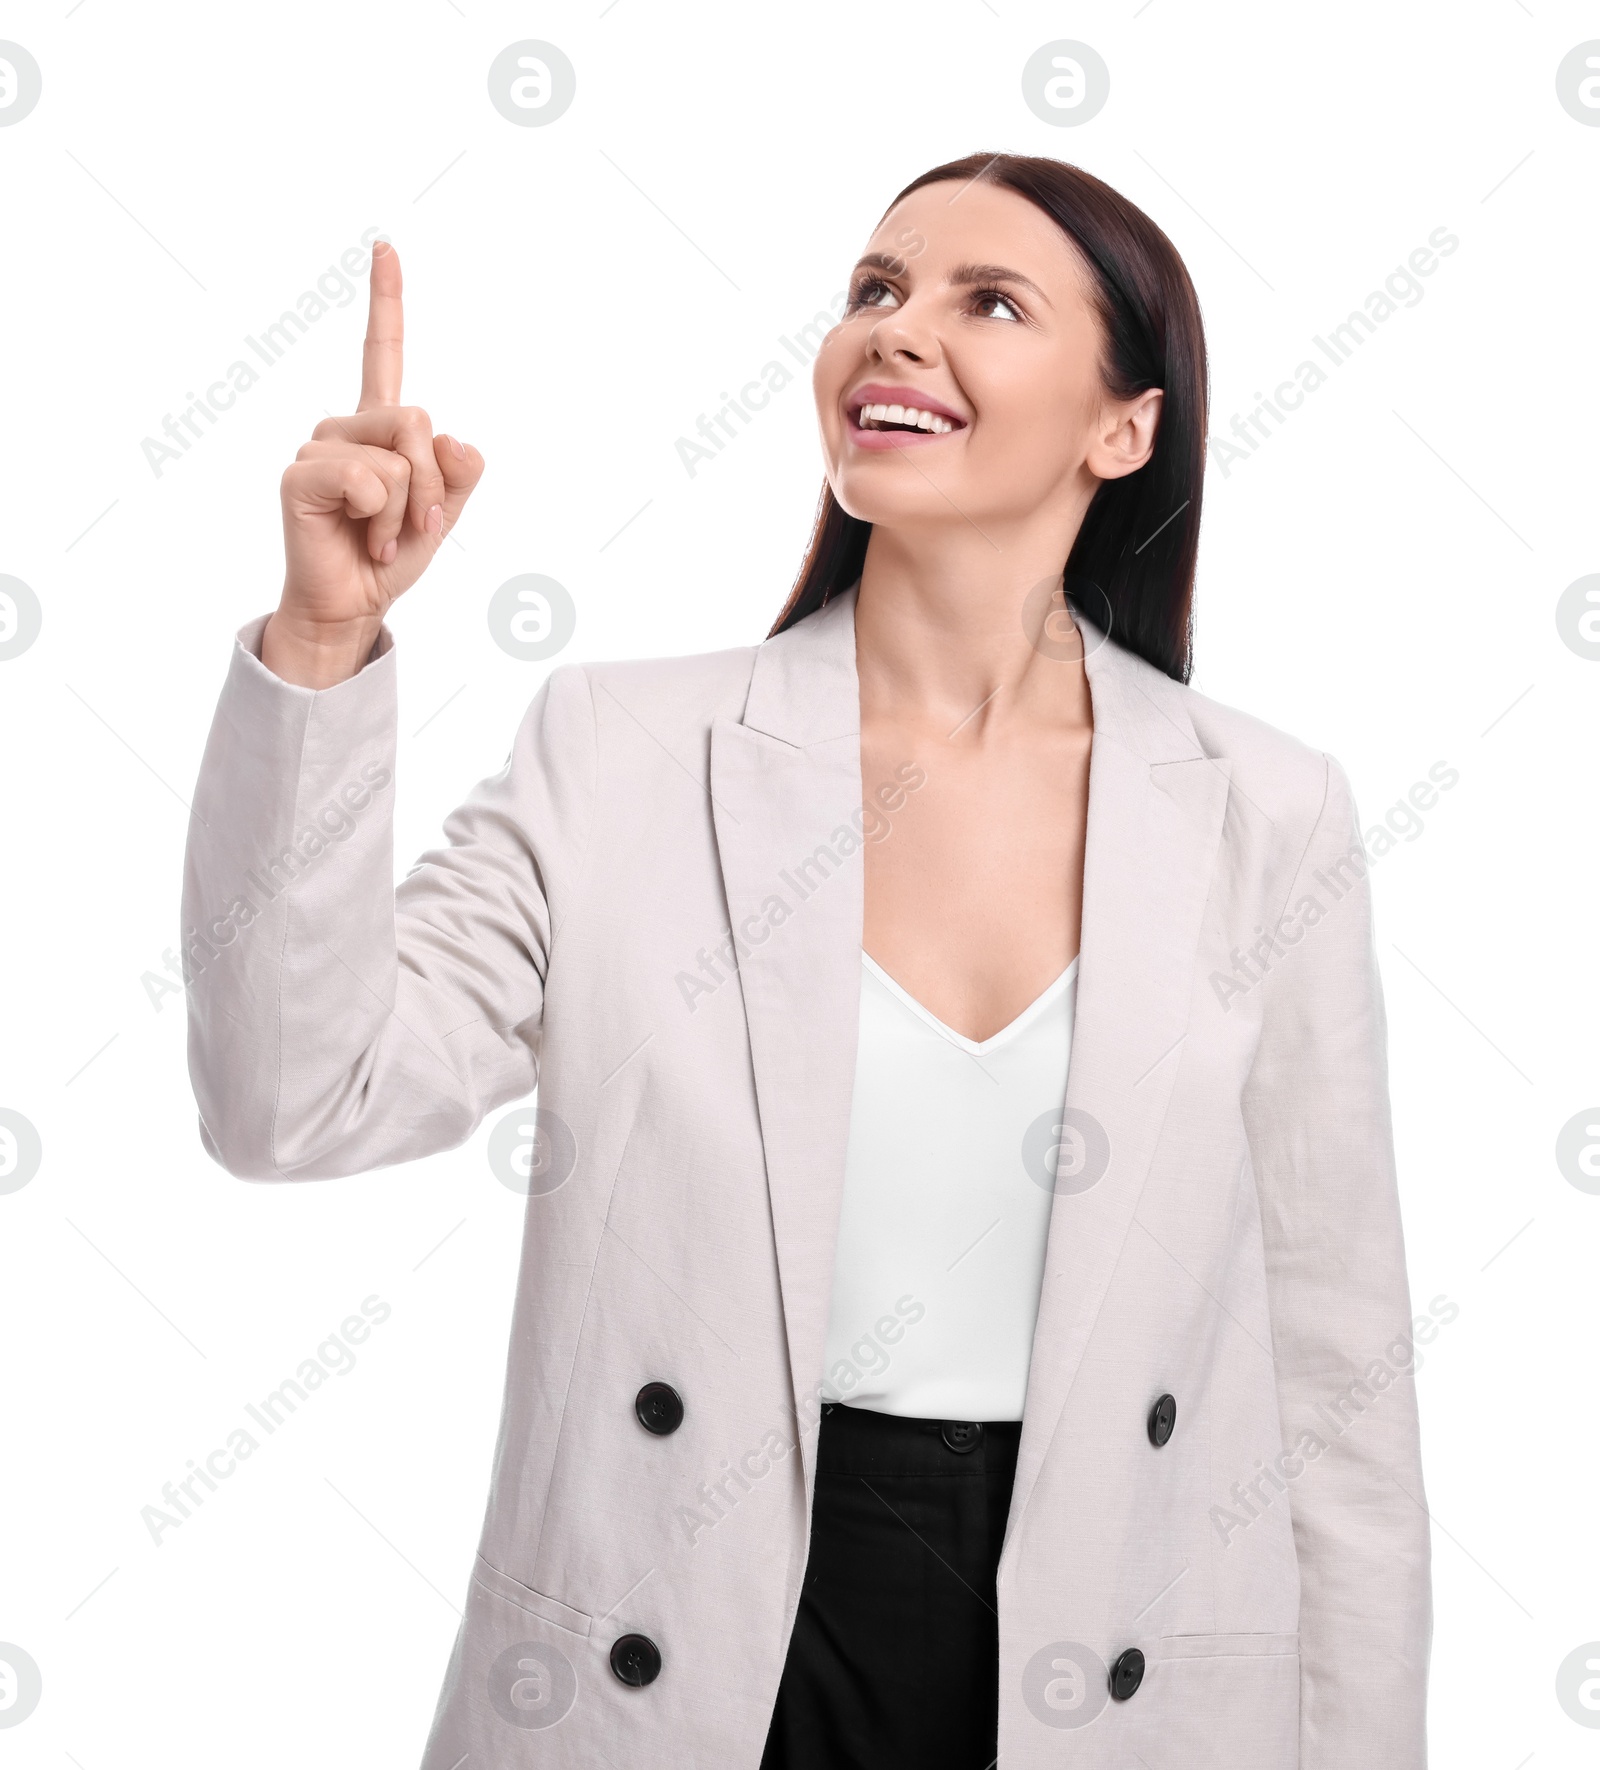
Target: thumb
(461, 472)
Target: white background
(1379, 578)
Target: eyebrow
(961, 275)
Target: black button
(1127, 1674)
(962, 1436)
(659, 1407)
(636, 1659)
(1163, 1416)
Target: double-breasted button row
(635, 1659)
(1127, 1669)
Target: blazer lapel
(1156, 806)
(786, 804)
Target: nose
(899, 337)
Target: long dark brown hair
(1131, 569)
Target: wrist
(320, 655)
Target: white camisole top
(949, 1180)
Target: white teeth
(881, 414)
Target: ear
(1127, 436)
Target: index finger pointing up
(380, 355)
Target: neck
(948, 633)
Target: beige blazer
(654, 913)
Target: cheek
(836, 360)
(1032, 408)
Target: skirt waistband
(858, 1441)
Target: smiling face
(962, 386)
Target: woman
(881, 1391)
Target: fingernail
(457, 450)
(390, 549)
(434, 522)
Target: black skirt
(894, 1659)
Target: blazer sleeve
(338, 1022)
(1318, 1121)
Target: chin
(892, 495)
(893, 513)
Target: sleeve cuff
(248, 640)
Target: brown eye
(990, 304)
(870, 293)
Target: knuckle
(380, 465)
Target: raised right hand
(366, 505)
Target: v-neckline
(975, 1047)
